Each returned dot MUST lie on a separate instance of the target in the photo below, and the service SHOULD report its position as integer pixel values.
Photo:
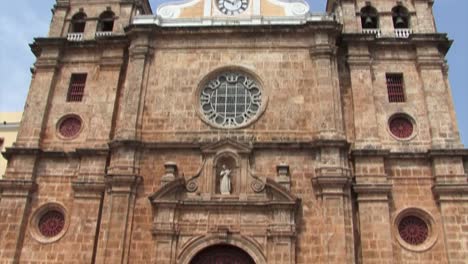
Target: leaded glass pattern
(231, 100)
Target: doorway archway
(222, 254)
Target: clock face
(232, 7)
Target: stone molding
(17, 188)
(331, 181)
(379, 192)
(123, 184)
(85, 189)
(451, 192)
(248, 245)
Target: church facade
(237, 131)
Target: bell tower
(80, 20)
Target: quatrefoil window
(231, 100)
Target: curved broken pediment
(193, 9)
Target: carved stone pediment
(227, 145)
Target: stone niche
(258, 216)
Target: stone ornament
(173, 9)
(225, 183)
(294, 7)
(231, 100)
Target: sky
(25, 19)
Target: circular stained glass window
(51, 223)
(413, 230)
(70, 127)
(401, 127)
(231, 100)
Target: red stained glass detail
(396, 92)
(51, 223)
(401, 127)
(70, 127)
(413, 230)
(222, 254)
(77, 86)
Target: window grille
(395, 88)
(77, 86)
(413, 230)
(51, 223)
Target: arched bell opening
(222, 254)
(401, 17)
(369, 18)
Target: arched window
(78, 23)
(369, 18)
(401, 18)
(106, 22)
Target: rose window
(51, 223)
(231, 100)
(70, 127)
(401, 127)
(413, 230)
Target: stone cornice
(84, 189)
(124, 184)
(17, 188)
(416, 39)
(79, 152)
(308, 27)
(451, 192)
(255, 145)
(409, 155)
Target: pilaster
(48, 53)
(323, 54)
(117, 219)
(365, 119)
(131, 100)
(15, 210)
(373, 190)
(451, 191)
(332, 185)
(431, 67)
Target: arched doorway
(222, 254)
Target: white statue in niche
(225, 183)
